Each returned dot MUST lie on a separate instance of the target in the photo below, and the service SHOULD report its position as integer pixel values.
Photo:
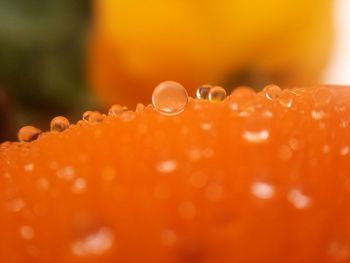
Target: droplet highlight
(92, 116)
(170, 98)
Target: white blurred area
(338, 71)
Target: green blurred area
(42, 52)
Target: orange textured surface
(247, 180)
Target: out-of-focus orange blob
(250, 179)
(137, 44)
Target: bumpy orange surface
(253, 179)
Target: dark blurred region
(42, 52)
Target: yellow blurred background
(62, 57)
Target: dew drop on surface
(187, 210)
(326, 148)
(318, 115)
(27, 232)
(42, 184)
(127, 115)
(262, 190)
(167, 166)
(29, 167)
(344, 150)
(272, 92)
(298, 199)
(140, 108)
(95, 243)
(168, 237)
(170, 98)
(206, 126)
(256, 136)
(202, 92)
(59, 124)
(116, 109)
(286, 99)
(322, 96)
(217, 94)
(92, 116)
(16, 205)
(66, 173)
(79, 185)
(28, 134)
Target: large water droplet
(59, 124)
(217, 94)
(202, 92)
(170, 98)
(28, 134)
(272, 92)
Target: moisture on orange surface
(256, 178)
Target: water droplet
(95, 243)
(92, 116)
(27, 232)
(322, 96)
(79, 185)
(339, 251)
(29, 167)
(318, 115)
(344, 150)
(214, 192)
(286, 99)
(298, 199)
(262, 190)
(16, 205)
(140, 108)
(187, 210)
(202, 92)
(116, 109)
(272, 92)
(42, 184)
(66, 173)
(256, 136)
(168, 237)
(127, 115)
(170, 98)
(217, 94)
(59, 124)
(167, 166)
(206, 126)
(326, 148)
(28, 134)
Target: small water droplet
(344, 150)
(256, 136)
(140, 108)
(322, 96)
(187, 210)
(95, 243)
(262, 190)
(214, 192)
(286, 99)
(167, 166)
(170, 98)
(29, 167)
(27, 232)
(42, 184)
(202, 92)
(79, 185)
(16, 205)
(66, 173)
(217, 94)
(28, 134)
(206, 126)
(168, 237)
(116, 109)
(92, 116)
(272, 92)
(59, 124)
(127, 115)
(298, 199)
(326, 148)
(318, 114)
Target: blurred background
(62, 57)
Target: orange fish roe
(255, 178)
